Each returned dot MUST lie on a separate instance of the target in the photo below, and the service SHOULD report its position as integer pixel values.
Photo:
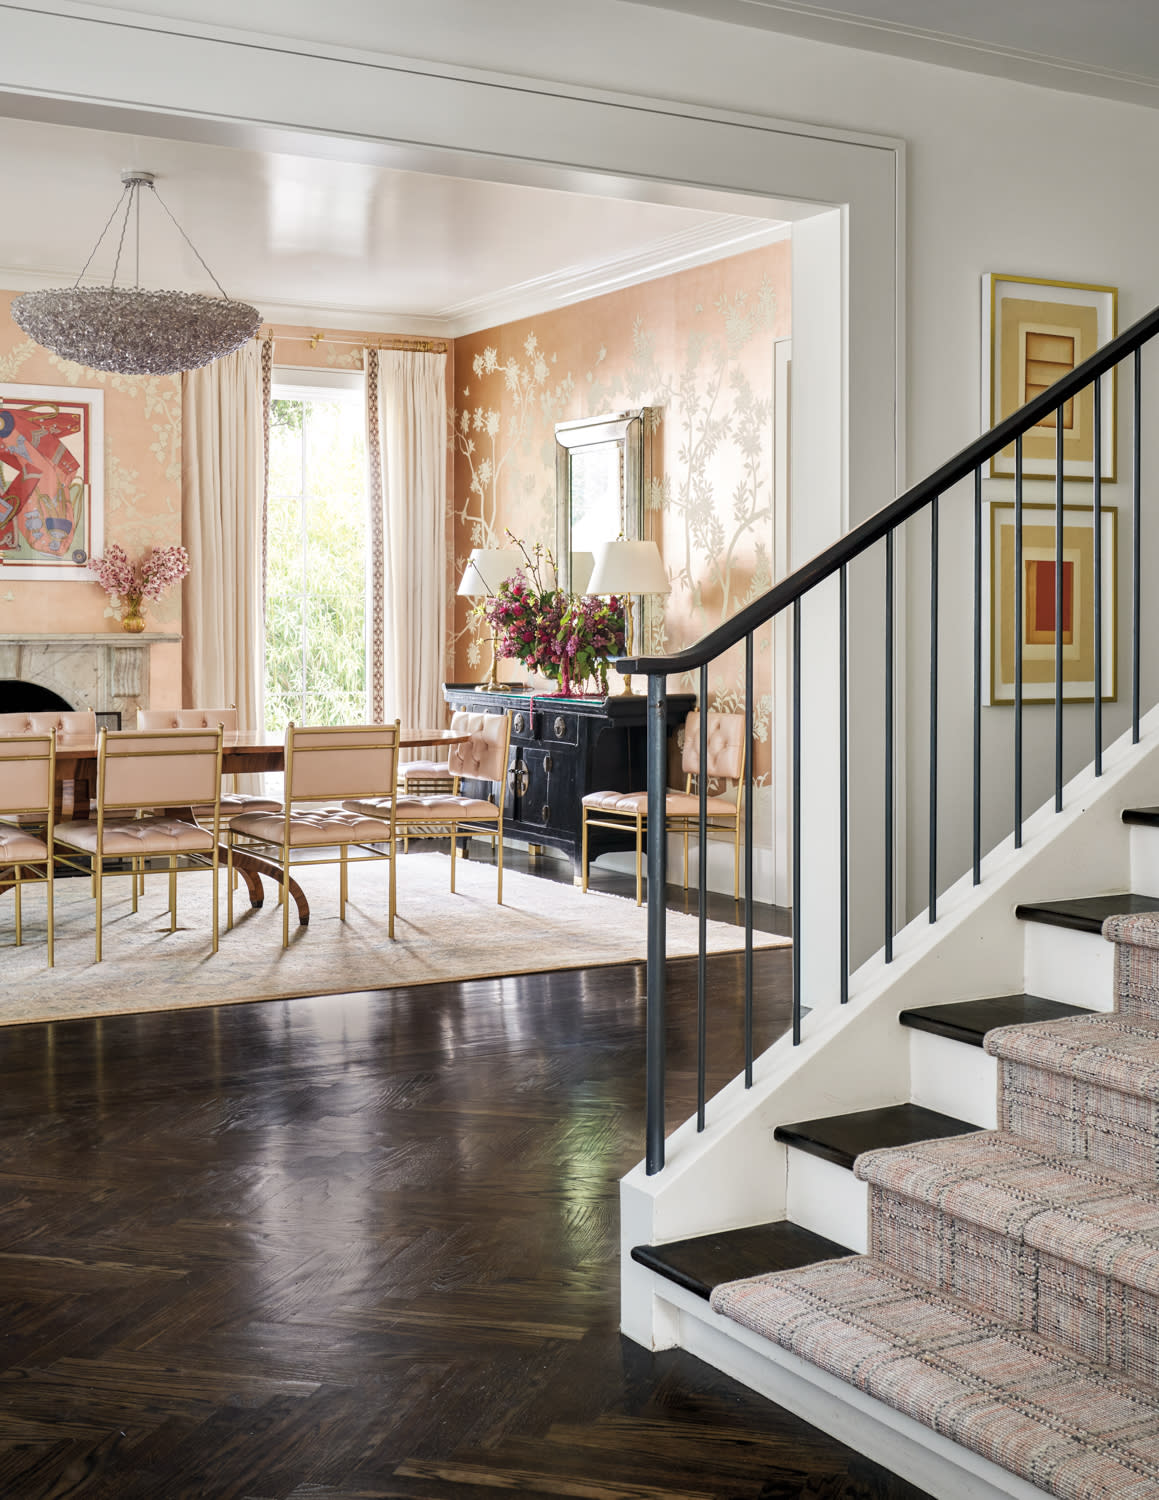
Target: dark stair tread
(707, 1260)
(1086, 913)
(1148, 816)
(842, 1138)
(969, 1020)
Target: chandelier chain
(130, 189)
(190, 243)
(100, 237)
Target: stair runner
(1010, 1296)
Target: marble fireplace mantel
(98, 671)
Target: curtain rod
(428, 346)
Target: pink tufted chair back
(164, 768)
(484, 756)
(26, 781)
(190, 718)
(348, 760)
(71, 726)
(726, 747)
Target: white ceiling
(1104, 47)
(351, 244)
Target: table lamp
(485, 571)
(627, 568)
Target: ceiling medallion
(128, 330)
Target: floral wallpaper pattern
(696, 349)
(142, 496)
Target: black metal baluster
(1136, 556)
(748, 860)
(843, 751)
(796, 822)
(702, 924)
(1058, 592)
(889, 747)
(657, 938)
(934, 709)
(1098, 563)
(978, 676)
(1018, 636)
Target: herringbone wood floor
(361, 1246)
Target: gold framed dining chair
(323, 765)
(482, 757)
(28, 790)
(232, 802)
(138, 771)
(629, 810)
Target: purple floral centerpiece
(565, 637)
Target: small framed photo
(1033, 333)
(1035, 636)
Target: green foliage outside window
(316, 564)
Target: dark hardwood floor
(362, 1246)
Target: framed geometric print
(1033, 333)
(1036, 636)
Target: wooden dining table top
(247, 750)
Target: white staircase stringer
(934, 1464)
(857, 1056)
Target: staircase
(928, 1220)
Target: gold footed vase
(133, 620)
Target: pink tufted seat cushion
(725, 746)
(432, 808)
(137, 836)
(322, 825)
(676, 804)
(16, 846)
(426, 770)
(233, 803)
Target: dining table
(244, 752)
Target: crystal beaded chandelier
(128, 330)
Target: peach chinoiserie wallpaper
(697, 349)
(142, 496)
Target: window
(316, 550)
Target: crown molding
(725, 235)
(946, 49)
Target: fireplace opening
(18, 697)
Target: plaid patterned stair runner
(1010, 1297)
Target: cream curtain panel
(407, 453)
(222, 485)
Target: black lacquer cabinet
(563, 748)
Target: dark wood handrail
(872, 530)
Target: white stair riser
(1144, 859)
(827, 1199)
(954, 1078)
(1077, 968)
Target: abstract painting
(1036, 637)
(1034, 333)
(51, 469)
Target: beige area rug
(439, 936)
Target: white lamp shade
(628, 568)
(487, 569)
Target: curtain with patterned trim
(222, 485)
(407, 494)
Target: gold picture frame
(1033, 333)
(1038, 603)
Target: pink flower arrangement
(566, 637)
(137, 583)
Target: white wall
(1001, 177)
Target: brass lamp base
(627, 691)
